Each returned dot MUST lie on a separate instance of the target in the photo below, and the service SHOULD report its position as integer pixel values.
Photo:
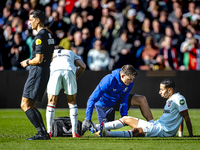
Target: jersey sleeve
(76, 57)
(181, 104)
(39, 44)
(96, 95)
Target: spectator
(9, 42)
(98, 57)
(110, 31)
(163, 20)
(19, 11)
(121, 51)
(176, 15)
(191, 14)
(197, 11)
(133, 36)
(48, 12)
(6, 15)
(192, 48)
(96, 12)
(160, 63)
(84, 6)
(81, 47)
(175, 40)
(18, 52)
(87, 37)
(98, 36)
(178, 33)
(2, 50)
(170, 54)
(148, 55)
(58, 26)
(146, 29)
(118, 16)
(135, 4)
(78, 26)
(156, 33)
(185, 22)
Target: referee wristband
(27, 62)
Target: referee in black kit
(34, 88)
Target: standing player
(64, 75)
(43, 46)
(112, 94)
(167, 126)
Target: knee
(143, 100)
(51, 102)
(138, 132)
(23, 106)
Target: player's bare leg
(73, 114)
(141, 101)
(50, 112)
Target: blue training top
(108, 92)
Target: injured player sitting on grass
(167, 126)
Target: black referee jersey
(37, 80)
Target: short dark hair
(129, 70)
(39, 14)
(169, 83)
(58, 47)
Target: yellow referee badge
(38, 42)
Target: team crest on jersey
(38, 42)
(125, 89)
(182, 102)
(169, 104)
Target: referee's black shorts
(36, 83)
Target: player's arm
(36, 60)
(188, 121)
(81, 67)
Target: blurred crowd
(107, 34)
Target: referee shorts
(108, 113)
(36, 83)
(62, 79)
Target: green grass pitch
(15, 128)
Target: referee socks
(32, 116)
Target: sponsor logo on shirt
(166, 111)
(114, 89)
(38, 42)
(182, 102)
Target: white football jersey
(172, 118)
(64, 59)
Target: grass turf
(15, 128)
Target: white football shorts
(151, 129)
(62, 79)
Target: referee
(42, 47)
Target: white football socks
(50, 113)
(114, 124)
(74, 117)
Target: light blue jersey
(172, 118)
(169, 122)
